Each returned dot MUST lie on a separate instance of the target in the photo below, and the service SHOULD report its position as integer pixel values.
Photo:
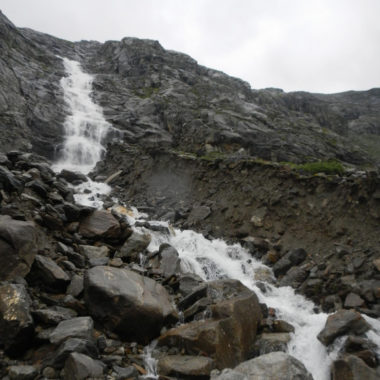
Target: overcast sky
(312, 45)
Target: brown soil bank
(334, 218)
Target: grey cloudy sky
(311, 45)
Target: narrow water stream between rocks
(86, 129)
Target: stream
(86, 129)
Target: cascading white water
(216, 259)
(85, 127)
(85, 131)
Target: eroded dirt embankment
(335, 219)
(236, 198)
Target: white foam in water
(85, 130)
(216, 259)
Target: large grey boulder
(19, 243)
(273, 366)
(82, 346)
(131, 305)
(341, 323)
(80, 366)
(100, 224)
(135, 245)
(228, 336)
(49, 274)
(16, 322)
(183, 365)
(80, 327)
(22, 372)
(351, 367)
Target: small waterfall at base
(85, 131)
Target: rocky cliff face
(164, 98)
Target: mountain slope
(162, 98)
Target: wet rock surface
(275, 366)
(133, 306)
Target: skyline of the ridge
(316, 46)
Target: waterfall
(85, 130)
(85, 127)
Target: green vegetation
(327, 167)
(212, 156)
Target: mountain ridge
(161, 97)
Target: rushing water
(86, 130)
(216, 259)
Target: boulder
(93, 252)
(229, 335)
(19, 243)
(76, 286)
(22, 372)
(271, 342)
(100, 224)
(169, 260)
(82, 346)
(341, 323)
(73, 177)
(198, 214)
(352, 368)
(80, 366)
(292, 258)
(353, 301)
(80, 327)
(16, 322)
(9, 182)
(131, 305)
(273, 366)
(48, 273)
(53, 315)
(198, 367)
(135, 245)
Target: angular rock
(352, 368)
(197, 367)
(93, 252)
(353, 301)
(79, 366)
(53, 315)
(100, 224)
(273, 366)
(82, 346)
(229, 336)
(76, 286)
(47, 272)
(133, 306)
(198, 214)
(341, 323)
(72, 177)
(123, 373)
(19, 243)
(170, 261)
(271, 342)
(292, 258)
(9, 182)
(188, 283)
(16, 322)
(80, 327)
(135, 244)
(22, 372)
